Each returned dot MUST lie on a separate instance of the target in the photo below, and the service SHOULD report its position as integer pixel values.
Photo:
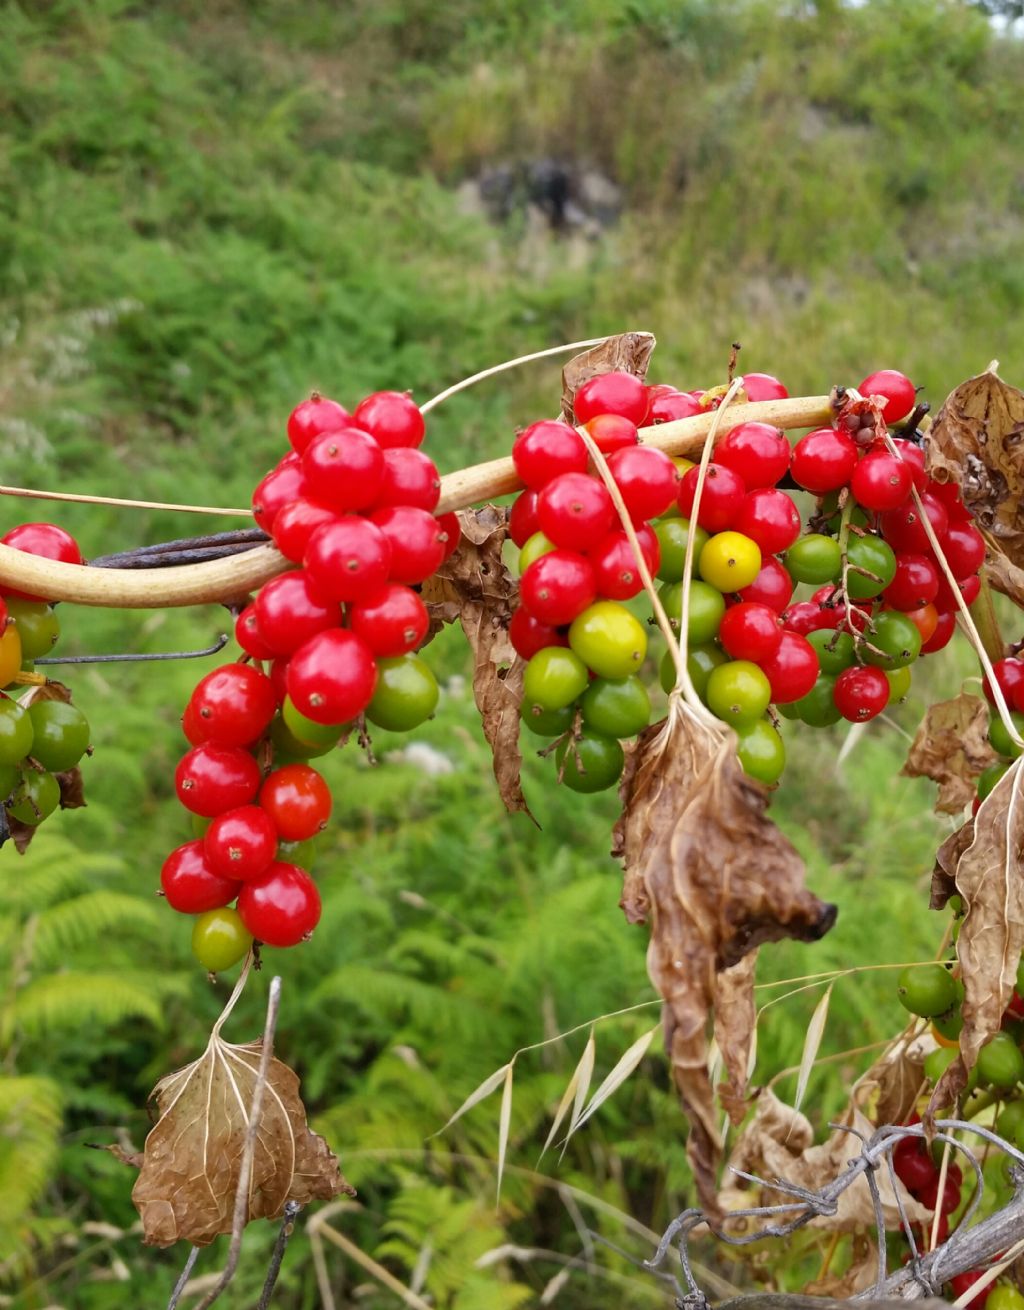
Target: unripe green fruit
(34, 798)
(554, 678)
(761, 751)
(61, 734)
(406, 694)
(1000, 1062)
(926, 989)
(220, 939)
(590, 763)
(1000, 738)
(547, 723)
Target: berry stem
(984, 615)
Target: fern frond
(87, 918)
(30, 1123)
(73, 999)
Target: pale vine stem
(223, 580)
(486, 373)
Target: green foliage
(207, 210)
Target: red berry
(1009, 675)
(769, 517)
(915, 583)
(349, 559)
(291, 608)
(861, 692)
(450, 530)
(793, 669)
(914, 456)
(281, 906)
(881, 481)
(232, 705)
(903, 530)
(280, 487)
(611, 393)
(926, 620)
(898, 390)
(313, 416)
(295, 523)
(614, 563)
(247, 634)
(410, 478)
(392, 417)
(671, 405)
(46, 540)
(949, 494)
(392, 621)
(191, 726)
(240, 844)
(647, 481)
(612, 432)
(758, 452)
(417, 540)
(964, 549)
(575, 511)
(913, 1165)
(810, 616)
(528, 634)
(763, 386)
(344, 469)
(824, 460)
(772, 587)
(191, 885)
(969, 588)
(721, 497)
(297, 800)
(211, 779)
(332, 677)
(943, 634)
(558, 586)
(522, 519)
(750, 632)
(279, 677)
(929, 1194)
(547, 449)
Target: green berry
(926, 989)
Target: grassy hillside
(206, 210)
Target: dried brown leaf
(630, 352)
(988, 877)
(192, 1158)
(977, 441)
(119, 1152)
(46, 691)
(735, 1021)
(715, 878)
(72, 789)
(947, 857)
(1004, 576)
(19, 833)
(951, 747)
(475, 587)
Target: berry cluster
(39, 737)
(351, 504)
(1009, 675)
(881, 598)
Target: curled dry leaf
(984, 862)
(475, 587)
(977, 441)
(629, 352)
(193, 1154)
(1004, 576)
(951, 747)
(715, 879)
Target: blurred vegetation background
(209, 207)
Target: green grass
(206, 210)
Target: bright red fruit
(392, 621)
(297, 800)
(861, 692)
(344, 469)
(282, 906)
(313, 416)
(240, 844)
(769, 517)
(528, 634)
(772, 587)
(295, 523)
(913, 455)
(926, 620)
(647, 480)
(612, 432)
(912, 1164)
(763, 386)
(558, 586)
(232, 705)
(967, 587)
(611, 393)
(410, 478)
(903, 530)
(281, 485)
(669, 405)
(191, 726)
(279, 677)
(547, 449)
(750, 632)
(247, 634)
(943, 634)
(449, 530)
(291, 608)
(417, 541)
(332, 677)
(349, 559)
(915, 583)
(793, 670)
(961, 1283)
(721, 497)
(949, 494)
(190, 884)
(881, 481)
(211, 779)
(575, 511)
(810, 616)
(758, 452)
(823, 460)
(1010, 677)
(393, 417)
(522, 519)
(898, 390)
(929, 1195)
(614, 563)
(964, 548)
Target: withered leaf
(977, 441)
(735, 1019)
(716, 879)
(988, 877)
(951, 747)
(947, 857)
(48, 690)
(475, 587)
(193, 1154)
(629, 352)
(1004, 576)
